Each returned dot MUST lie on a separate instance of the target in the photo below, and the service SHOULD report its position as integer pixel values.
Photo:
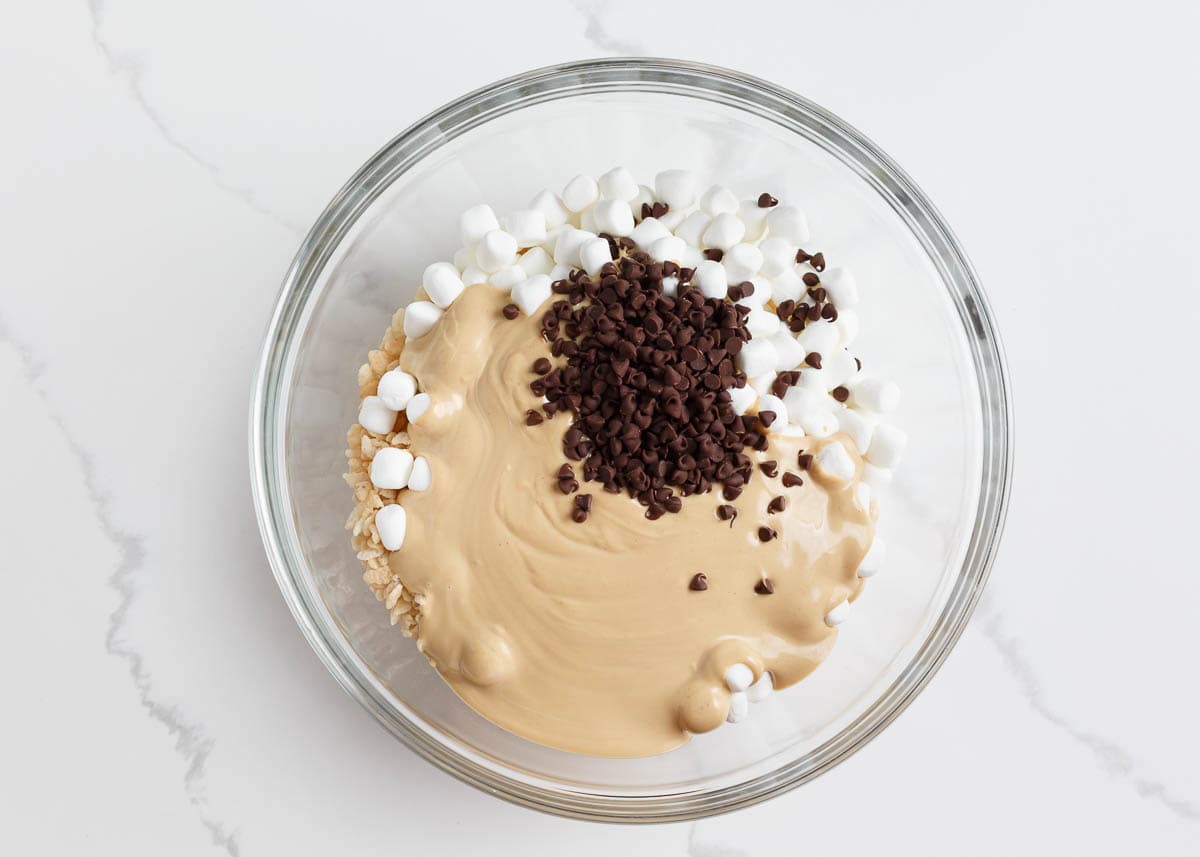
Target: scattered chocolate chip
(727, 513)
(840, 393)
(541, 366)
(646, 210)
(533, 418)
(813, 359)
(802, 257)
(770, 468)
(829, 312)
(765, 200)
(579, 515)
(777, 505)
(659, 209)
(729, 492)
(699, 582)
(584, 502)
(804, 459)
(791, 480)
(858, 364)
(511, 311)
(810, 279)
(765, 534)
(818, 261)
(766, 418)
(714, 254)
(764, 587)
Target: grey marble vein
(1114, 759)
(128, 69)
(599, 35)
(190, 741)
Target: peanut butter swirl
(588, 637)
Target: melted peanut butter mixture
(586, 636)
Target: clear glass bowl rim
(645, 75)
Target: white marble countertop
(160, 162)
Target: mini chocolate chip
(726, 512)
(764, 586)
(714, 254)
(810, 279)
(818, 261)
(699, 582)
(584, 502)
(813, 359)
(777, 505)
(766, 418)
(541, 366)
(770, 468)
(840, 393)
(858, 364)
(511, 311)
(829, 312)
(791, 480)
(659, 209)
(765, 534)
(579, 515)
(765, 200)
(804, 459)
(533, 418)
(802, 257)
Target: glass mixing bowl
(925, 323)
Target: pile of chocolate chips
(646, 381)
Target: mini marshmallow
(856, 425)
(834, 461)
(875, 476)
(820, 337)
(754, 218)
(839, 614)
(710, 278)
(417, 406)
(474, 276)
(862, 496)
(757, 357)
(669, 249)
(739, 707)
(391, 522)
(813, 380)
(464, 257)
(570, 242)
(739, 677)
(391, 467)
(819, 423)
(442, 283)
(419, 318)
(594, 255)
(774, 403)
(559, 272)
(506, 278)
(874, 559)
(551, 208)
(787, 221)
(842, 288)
(375, 416)
(692, 228)
(778, 256)
(742, 398)
(645, 196)
(535, 261)
(580, 192)
(742, 261)
(761, 689)
(531, 293)
(724, 231)
(762, 323)
(528, 227)
(847, 325)
(787, 286)
(718, 200)
(648, 231)
(396, 387)
(613, 216)
(692, 256)
(421, 477)
(788, 350)
(839, 367)
(677, 188)
(618, 183)
(875, 394)
(673, 218)
(476, 222)
(497, 249)
(887, 446)
(801, 400)
(760, 295)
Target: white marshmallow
(874, 559)
(421, 477)
(739, 707)
(419, 318)
(814, 381)
(754, 219)
(820, 337)
(757, 357)
(464, 257)
(742, 398)
(417, 406)
(762, 323)
(535, 261)
(742, 261)
(506, 278)
(587, 219)
(833, 460)
(801, 401)
(618, 183)
(842, 289)
(375, 416)
(790, 354)
(677, 188)
(396, 387)
(718, 200)
(580, 192)
(819, 423)
(391, 467)
(442, 283)
(531, 293)
(528, 227)
(570, 242)
(476, 222)
(760, 295)
(739, 677)
(692, 228)
(559, 272)
(862, 496)
(645, 196)
(648, 231)
(724, 231)
(786, 286)
(876, 394)
(669, 249)
(692, 256)
(710, 278)
(474, 276)
(673, 218)
(875, 476)
(787, 221)
(887, 446)
(847, 325)
(856, 425)
(595, 255)
(551, 207)
(839, 614)
(391, 522)
(761, 689)
(790, 430)
(613, 216)
(495, 250)
(778, 256)
(774, 403)
(839, 367)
